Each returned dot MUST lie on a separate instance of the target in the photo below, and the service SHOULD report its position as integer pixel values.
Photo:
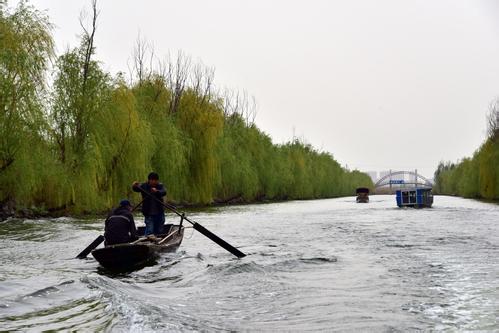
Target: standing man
(120, 226)
(153, 210)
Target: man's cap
(125, 203)
(153, 175)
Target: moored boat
(362, 195)
(129, 256)
(415, 197)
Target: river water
(311, 265)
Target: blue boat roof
(415, 189)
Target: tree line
(476, 176)
(74, 137)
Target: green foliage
(76, 99)
(169, 147)
(26, 48)
(489, 170)
(254, 168)
(202, 123)
(477, 177)
(80, 145)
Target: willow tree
(26, 49)
(121, 145)
(477, 176)
(202, 122)
(82, 119)
(80, 89)
(239, 174)
(489, 155)
(489, 175)
(168, 147)
(493, 120)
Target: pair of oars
(198, 227)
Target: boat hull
(131, 256)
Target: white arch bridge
(402, 179)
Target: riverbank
(479, 199)
(9, 211)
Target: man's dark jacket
(120, 227)
(150, 206)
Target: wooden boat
(362, 195)
(129, 256)
(415, 197)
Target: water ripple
(327, 265)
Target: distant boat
(362, 195)
(415, 197)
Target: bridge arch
(389, 179)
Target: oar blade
(218, 240)
(83, 254)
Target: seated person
(120, 226)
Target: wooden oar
(199, 227)
(169, 235)
(161, 241)
(83, 254)
(139, 240)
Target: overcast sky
(379, 84)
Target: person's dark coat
(120, 227)
(150, 206)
